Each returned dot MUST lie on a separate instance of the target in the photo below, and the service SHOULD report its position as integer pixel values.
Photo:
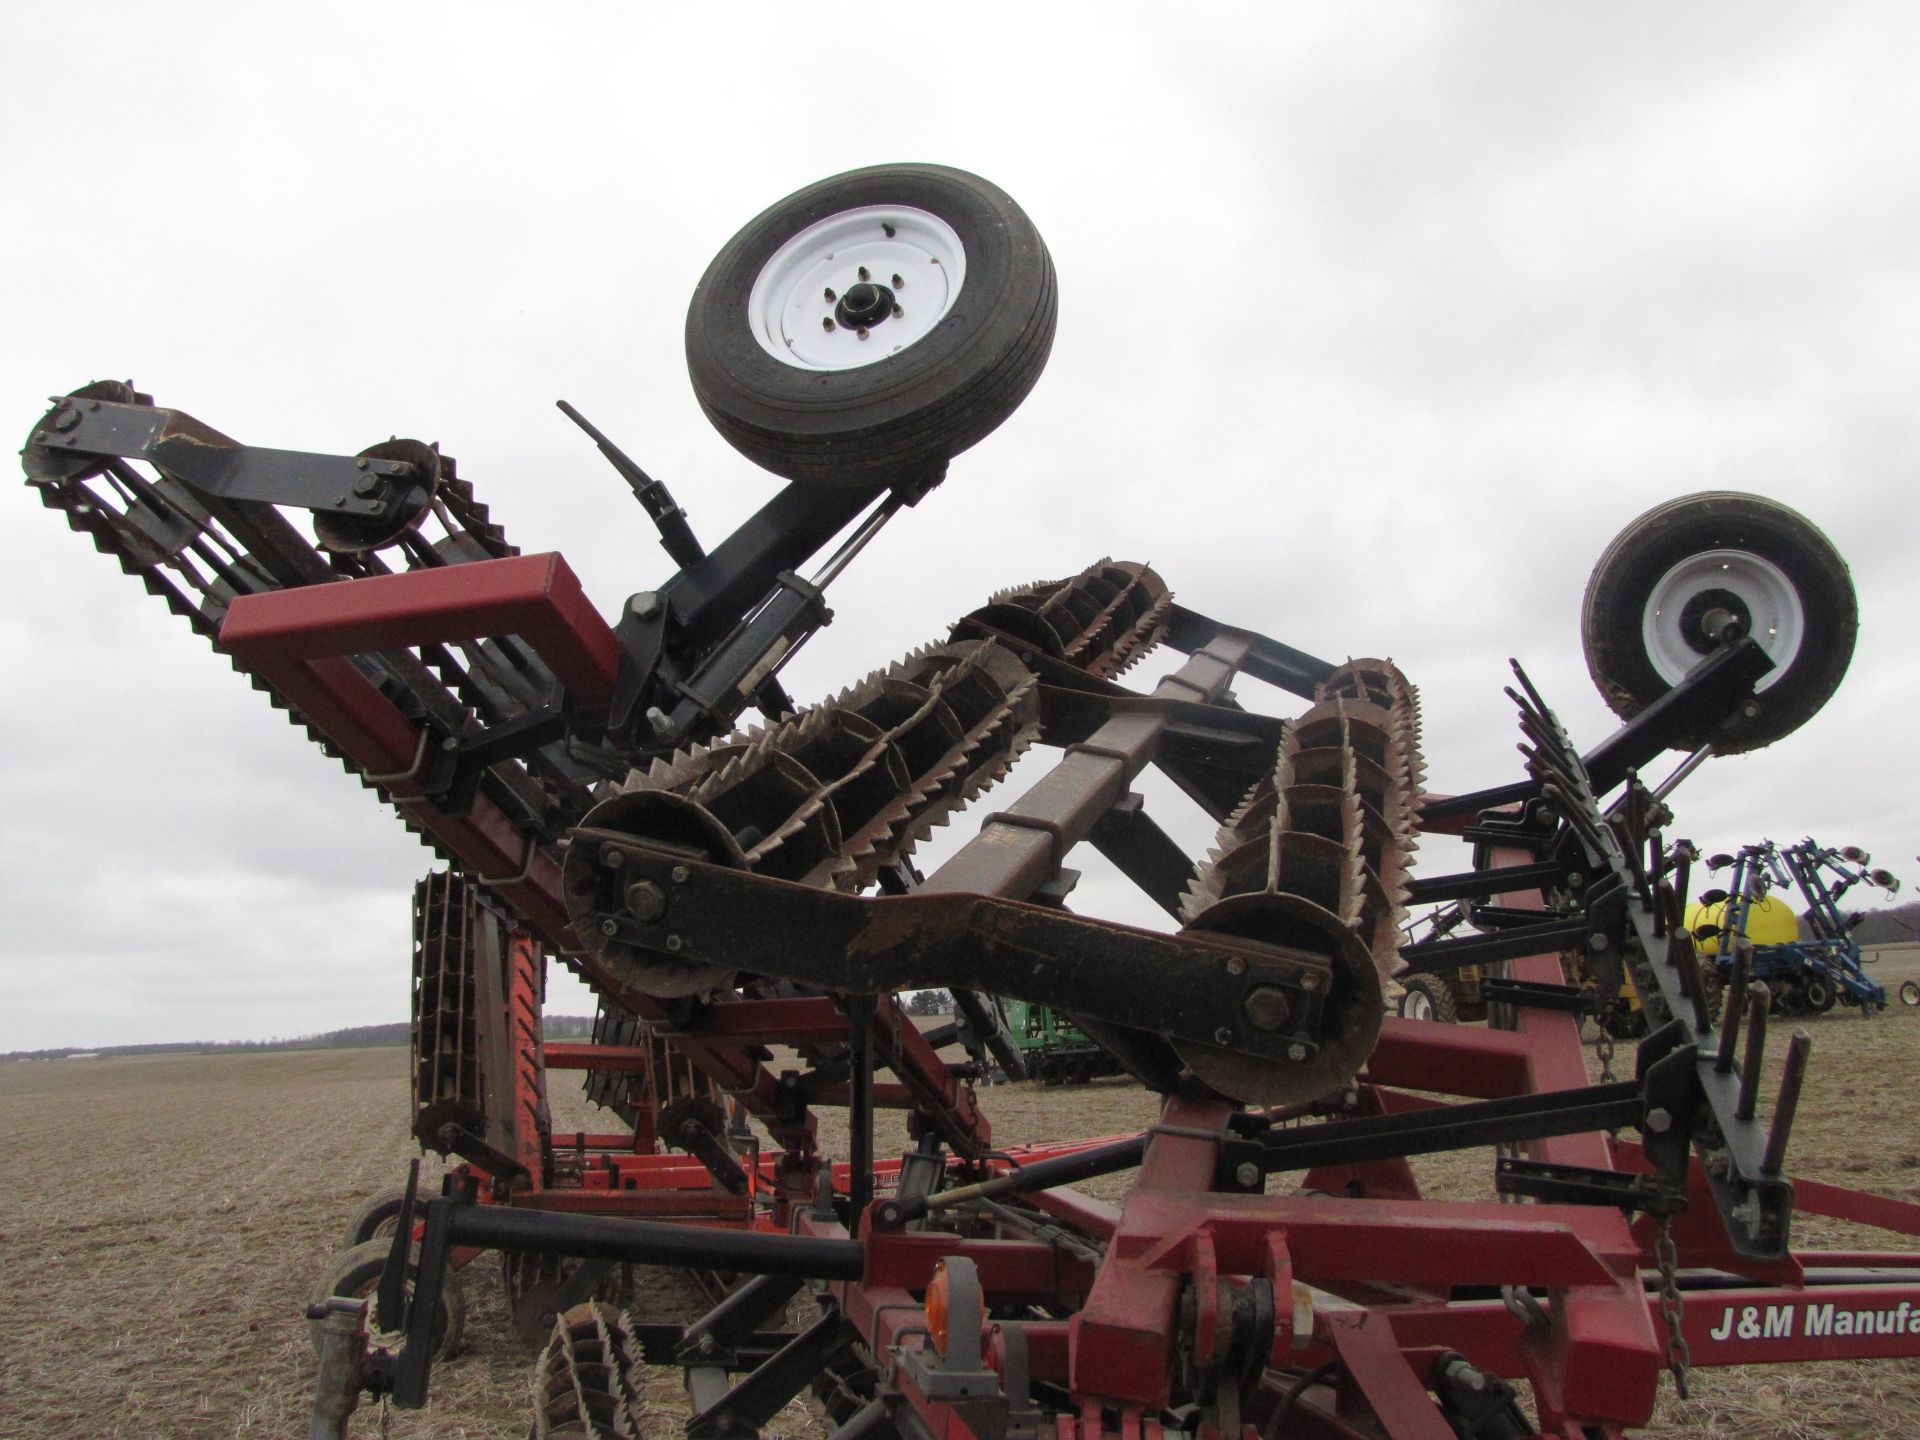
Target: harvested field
(165, 1219)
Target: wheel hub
(1701, 628)
(864, 306)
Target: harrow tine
(1760, 998)
(1791, 1082)
(1735, 1004)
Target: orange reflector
(937, 1307)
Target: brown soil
(165, 1219)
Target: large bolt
(1296, 1052)
(1266, 1007)
(646, 901)
(1659, 1120)
(1248, 1175)
(610, 927)
(645, 605)
(66, 418)
(1236, 966)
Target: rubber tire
(1438, 995)
(1910, 992)
(1819, 994)
(356, 1273)
(899, 419)
(1624, 580)
(373, 1218)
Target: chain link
(1603, 1047)
(1673, 1306)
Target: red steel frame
(1361, 1263)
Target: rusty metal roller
(1315, 859)
(826, 798)
(1100, 621)
(584, 1384)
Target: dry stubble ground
(164, 1220)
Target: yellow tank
(1770, 921)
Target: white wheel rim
(1417, 1006)
(1772, 602)
(913, 254)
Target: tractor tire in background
(865, 330)
(1642, 620)
(373, 1218)
(1428, 997)
(355, 1273)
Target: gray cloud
(1376, 325)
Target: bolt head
(1296, 1052)
(1659, 1120)
(1267, 1007)
(1248, 1174)
(609, 927)
(681, 874)
(1223, 1036)
(1236, 966)
(645, 605)
(646, 901)
(66, 418)
(675, 944)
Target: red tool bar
(536, 597)
(598, 1057)
(1452, 1059)
(1824, 1322)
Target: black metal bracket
(871, 945)
(212, 465)
(453, 774)
(1535, 994)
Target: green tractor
(1054, 1049)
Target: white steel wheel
(857, 287)
(1670, 583)
(868, 328)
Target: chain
(1672, 1306)
(1604, 1049)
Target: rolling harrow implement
(729, 888)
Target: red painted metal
(1390, 1257)
(536, 597)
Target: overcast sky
(1376, 323)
